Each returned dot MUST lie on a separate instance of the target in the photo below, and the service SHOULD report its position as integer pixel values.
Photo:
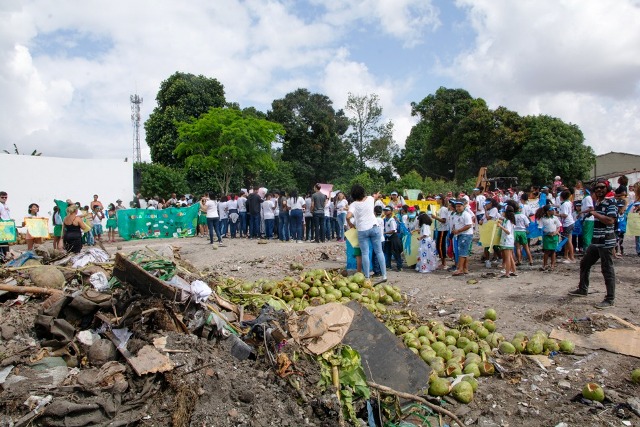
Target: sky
(68, 68)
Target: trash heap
(95, 339)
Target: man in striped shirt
(602, 244)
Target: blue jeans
(342, 220)
(224, 226)
(213, 224)
(283, 226)
(638, 245)
(371, 238)
(327, 227)
(243, 223)
(255, 226)
(268, 227)
(233, 225)
(296, 224)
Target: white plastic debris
(99, 281)
(200, 290)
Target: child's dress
(427, 254)
(112, 222)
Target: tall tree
(370, 137)
(552, 148)
(313, 142)
(181, 97)
(227, 143)
(159, 180)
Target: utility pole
(136, 101)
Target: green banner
(157, 223)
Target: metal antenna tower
(136, 101)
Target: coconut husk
(47, 276)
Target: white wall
(38, 179)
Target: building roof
(617, 152)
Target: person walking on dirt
(602, 244)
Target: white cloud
(67, 68)
(577, 60)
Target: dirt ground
(525, 395)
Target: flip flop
(457, 274)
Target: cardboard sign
(8, 232)
(37, 227)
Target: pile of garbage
(100, 339)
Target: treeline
(201, 142)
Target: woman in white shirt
(296, 208)
(341, 207)
(210, 206)
(368, 233)
(268, 214)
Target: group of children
(92, 216)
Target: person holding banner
(601, 247)
(32, 213)
(5, 215)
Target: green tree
(552, 148)
(313, 142)
(370, 138)
(160, 180)
(227, 143)
(411, 180)
(181, 97)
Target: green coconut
(453, 370)
(465, 319)
(422, 330)
(449, 340)
(462, 342)
(489, 325)
(437, 364)
(593, 391)
(520, 344)
(453, 333)
(472, 368)
(567, 346)
(438, 346)
(635, 376)
(490, 314)
(482, 332)
(535, 346)
(427, 355)
(475, 325)
(472, 381)
(486, 368)
(358, 278)
(462, 392)
(507, 348)
(439, 387)
(472, 358)
(551, 345)
(472, 347)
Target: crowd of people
(578, 221)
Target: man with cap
(119, 205)
(602, 244)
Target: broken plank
(131, 273)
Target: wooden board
(131, 273)
(385, 359)
(623, 341)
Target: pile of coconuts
(317, 287)
(463, 350)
